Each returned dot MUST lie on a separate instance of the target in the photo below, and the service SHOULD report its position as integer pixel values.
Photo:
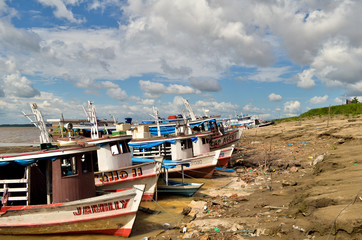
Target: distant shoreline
(17, 125)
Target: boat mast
(38, 122)
(187, 105)
(92, 118)
(155, 111)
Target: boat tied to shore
(52, 191)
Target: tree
(355, 100)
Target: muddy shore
(292, 180)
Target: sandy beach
(293, 180)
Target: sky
(271, 58)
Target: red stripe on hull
(223, 162)
(124, 180)
(68, 222)
(147, 197)
(123, 232)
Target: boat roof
(27, 158)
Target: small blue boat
(168, 186)
(179, 188)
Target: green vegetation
(355, 100)
(348, 110)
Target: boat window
(115, 150)
(124, 147)
(86, 163)
(69, 166)
(186, 144)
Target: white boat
(52, 191)
(179, 148)
(114, 168)
(185, 142)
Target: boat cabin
(175, 148)
(51, 175)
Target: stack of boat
(84, 178)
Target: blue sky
(268, 58)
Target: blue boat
(168, 186)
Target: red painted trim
(19, 208)
(223, 163)
(147, 197)
(125, 180)
(69, 222)
(123, 232)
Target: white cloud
(305, 79)
(251, 109)
(292, 107)
(61, 10)
(270, 74)
(274, 97)
(318, 100)
(117, 94)
(18, 86)
(155, 90)
(339, 100)
(205, 85)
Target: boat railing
(18, 189)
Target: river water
(18, 135)
(146, 225)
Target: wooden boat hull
(225, 139)
(225, 156)
(145, 173)
(112, 214)
(179, 188)
(202, 166)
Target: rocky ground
(292, 180)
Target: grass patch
(348, 110)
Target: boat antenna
(38, 122)
(92, 118)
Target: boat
(52, 191)
(169, 186)
(179, 188)
(179, 148)
(185, 142)
(114, 168)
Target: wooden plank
(15, 190)
(18, 198)
(13, 181)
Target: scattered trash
(184, 229)
(216, 229)
(167, 226)
(188, 235)
(319, 159)
(298, 228)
